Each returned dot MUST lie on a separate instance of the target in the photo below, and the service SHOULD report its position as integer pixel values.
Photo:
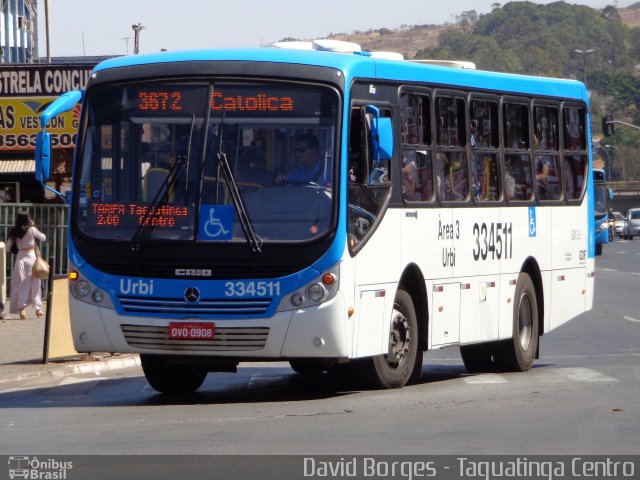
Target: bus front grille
(230, 339)
(179, 306)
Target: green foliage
(534, 39)
(529, 38)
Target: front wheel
(403, 362)
(171, 379)
(518, 353)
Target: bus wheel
(478, 358)
(404, 360)
(518, 353)
(171, 379)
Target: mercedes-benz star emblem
(192, 295)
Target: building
(18, 31)
(25, 91)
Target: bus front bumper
(315, 332)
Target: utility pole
(46, 23)
(584, 54)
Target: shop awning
(17, 166)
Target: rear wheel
(171, 379)
(403, 362)
(518, 353)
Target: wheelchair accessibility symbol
(216, 222)
(532, 222)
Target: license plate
(191, 330)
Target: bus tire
(171, 379)
(403, 363)
(518, 353)
(478, 358)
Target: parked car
(633, 216)
(620, 225)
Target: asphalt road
(580, 398)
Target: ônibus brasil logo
(38, 469)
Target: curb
(78, 368)
(108, 364)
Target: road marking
(583, 375)
(485, 379)
(631, 319)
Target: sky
(104, 27)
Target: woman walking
(25, 288)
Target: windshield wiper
(252, 237)
(162, 195)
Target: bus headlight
(82, 288)
(97, 296)
(321, 289)
(296, 299)
(316, 292)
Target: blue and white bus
(602, 195)
(441, 207)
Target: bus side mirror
(43, 156)
(381, 135)
(62, 104)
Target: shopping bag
(41, 267)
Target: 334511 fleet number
(494, 241)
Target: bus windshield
(188, 161)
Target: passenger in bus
(410, 178)
(546, 178)
(509, 181)
(310, 168)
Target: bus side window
(518, 182)
(484, 140)
(574, 162)
(415, 132)
(452, 173)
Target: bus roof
(366, 65)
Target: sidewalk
(21, 352)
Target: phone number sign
(20, 121)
